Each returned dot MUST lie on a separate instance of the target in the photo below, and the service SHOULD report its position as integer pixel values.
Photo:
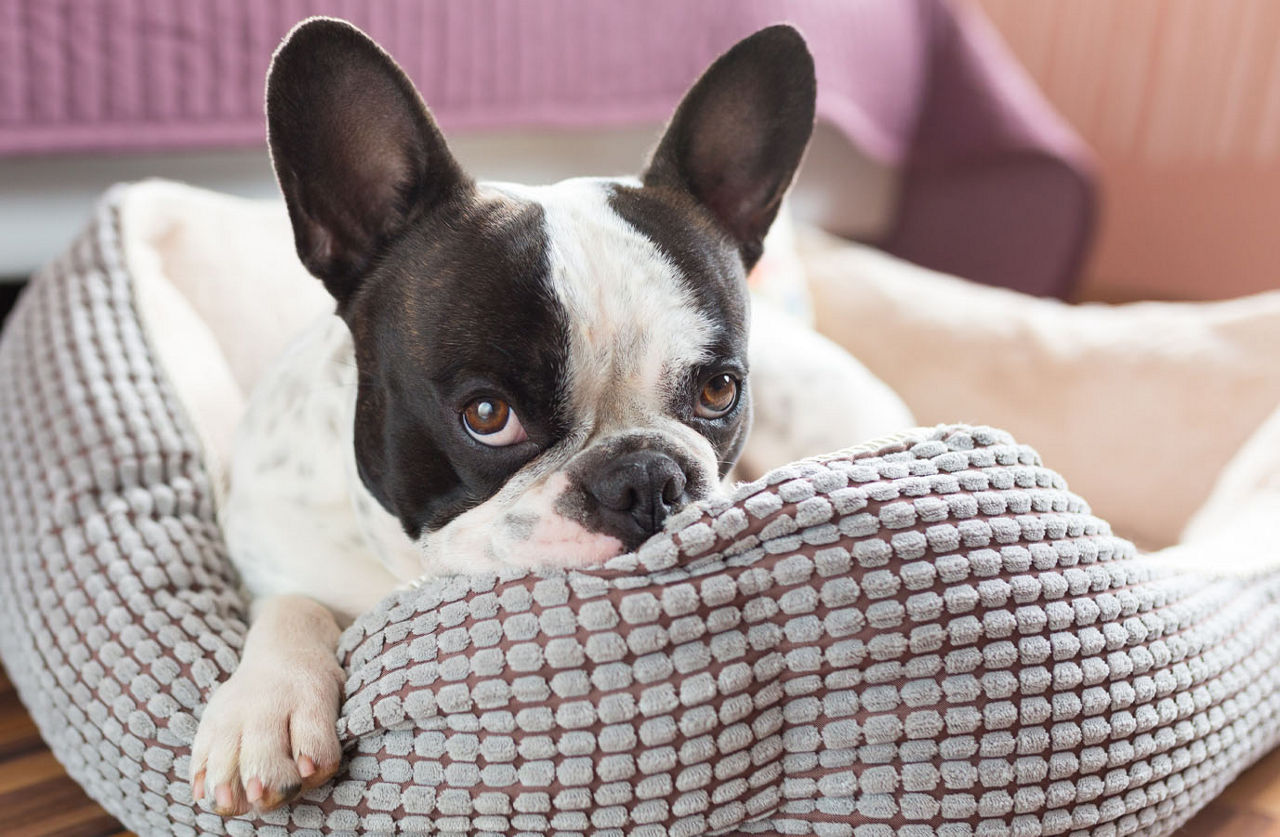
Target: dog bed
(927, 634)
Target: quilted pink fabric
(119, 74)
(996, 186)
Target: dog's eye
(491, 421)
(719, 395)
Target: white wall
(44, 201)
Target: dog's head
(544, 372)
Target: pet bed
(928, 634)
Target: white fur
(811, 396)
(297, 518)
(301, 527)
(277, 710)
(634, 322)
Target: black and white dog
(518, 375)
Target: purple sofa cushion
(996, 187)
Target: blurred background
(1170, 114)
(1085, 149)
(1179, 102)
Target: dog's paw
(267, 734)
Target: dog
(516, 375)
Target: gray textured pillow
(925, 635)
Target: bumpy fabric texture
(925, 635)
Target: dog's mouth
(555, 541)
(540, 533)
(563, 519)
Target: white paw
(267, 734)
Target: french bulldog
(517, 375)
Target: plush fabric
(1242, 515)
(1162, 394)
(214, 315)
(928, 634)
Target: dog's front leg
(268, 732)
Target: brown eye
(491, 421)
(718, 397)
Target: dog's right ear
(737, 138)
(356, 151)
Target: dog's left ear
(737, 138)
(356, 151)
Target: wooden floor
(38, 799)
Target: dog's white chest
(298, 518)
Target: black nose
(636, 492)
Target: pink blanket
(995, 185)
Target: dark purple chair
(994, 186)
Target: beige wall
(1180, 99)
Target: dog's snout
(637, 491)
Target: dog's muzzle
(636, 492)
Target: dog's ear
(736, 139)
(356, 151)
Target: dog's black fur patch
(455, 310)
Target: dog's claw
(253, 790)
(275, 797)
(227, 802)
(314, 775)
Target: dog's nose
(637, 491)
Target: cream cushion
(1140, 406)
